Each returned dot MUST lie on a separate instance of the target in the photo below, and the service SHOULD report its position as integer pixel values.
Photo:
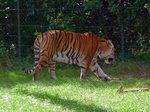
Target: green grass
(18, 93)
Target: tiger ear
(88, 33)
(109, 42)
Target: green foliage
(90, 4)
(143, 45)
(62, 21)
(101, 17)
(7, 54)
(3, 49)
(36, 33)
(7, 51)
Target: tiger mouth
(108, 62)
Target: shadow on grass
(66, 103)
(8, 79)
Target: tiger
(81, 49)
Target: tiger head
(106, 50)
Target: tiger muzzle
(110, 61)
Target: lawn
(68, 94)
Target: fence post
(122, 31)
(122, 40)
(19, 35)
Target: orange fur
(49, 43)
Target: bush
(141, 46)
(7, 54)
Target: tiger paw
(82, 77)
(53, 77)
(105, 78)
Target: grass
(68, 94)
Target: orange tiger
(81, 49)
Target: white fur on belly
(61, 57)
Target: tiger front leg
(51, 70)
(99, 72)
(83, 73)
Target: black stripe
(82, 67)
(45, 44)
(68, 52)
(43, 51)
(35, 48)
(38, 41)
(73, 50)
(78, 52)
(77, 60)
(94, 63)
(72, 54)
(57, 55)
(59, 40)
(36, 44)
(36, 53)
(96, 70)
(62, 54)
(55, 34)
(66, 45)
(44, 55)
(36, 59)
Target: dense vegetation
(113, 18)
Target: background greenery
(103, 17)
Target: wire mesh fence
(18, 30)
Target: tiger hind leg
(51, 69)
(42, 62)
(36, 74)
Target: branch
(121, 89)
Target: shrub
(142, 46)
(7, 54)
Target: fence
(9, 26)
